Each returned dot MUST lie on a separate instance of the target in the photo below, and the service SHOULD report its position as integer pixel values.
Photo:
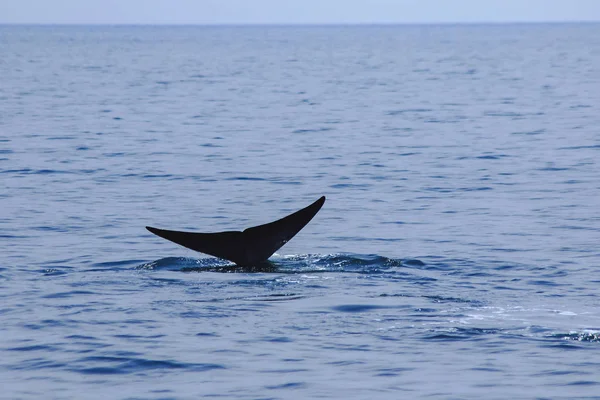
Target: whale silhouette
(249, 247)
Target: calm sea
(457, 255)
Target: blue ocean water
(456, 257)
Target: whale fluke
(249, 247)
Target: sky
(294, 11)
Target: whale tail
(251, 246)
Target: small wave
(357, 308)
(113, 265)
(338, 261)
(323, 129)
(64, 295)
(536, 132)
(449, 299)
(289, 385)
(408, 110)
(585, 336)
(461, 334)
(37, 347)
(245, 178)
(595, 146)
(29, 171)
(183, 264)
(55, 271)
(128, 365)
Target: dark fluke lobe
(251, 246)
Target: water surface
(456, 255)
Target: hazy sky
(294, 11)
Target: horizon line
(298, 24)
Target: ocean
(456, 256)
